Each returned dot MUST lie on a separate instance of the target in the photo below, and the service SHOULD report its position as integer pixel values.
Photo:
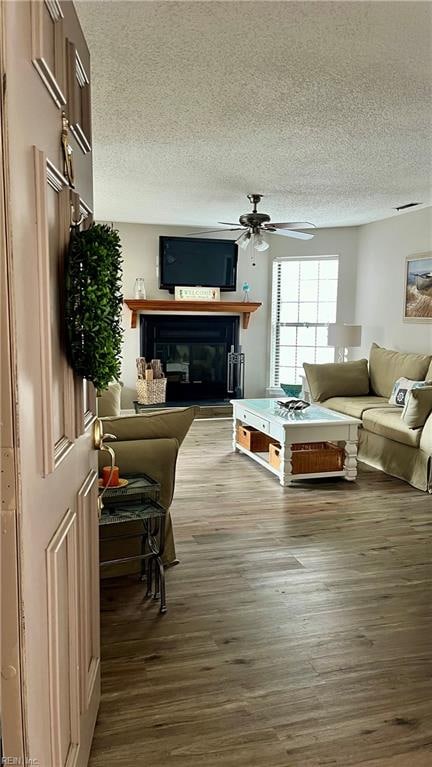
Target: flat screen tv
(193, 261)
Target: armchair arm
(155, 457)
(160, 424)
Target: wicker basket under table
(310, 457)
(254, 440)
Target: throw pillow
(401, 389)
(418, 406)
(337, 379)
(386, 365)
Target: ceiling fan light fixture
(253, 225)
(244, 240)
(260, 244)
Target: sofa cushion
(386, 366)
(388, 423)
(337, 379)
(418, 406)
(355, 406)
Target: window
(304, 301)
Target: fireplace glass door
(194, 354)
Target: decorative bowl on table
(291, 390)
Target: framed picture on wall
(418, 288)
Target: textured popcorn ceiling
(323, 106)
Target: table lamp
(343, 337)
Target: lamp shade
(344, 335)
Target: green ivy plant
(94, 303)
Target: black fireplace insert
(194, 352)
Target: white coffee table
(315, 424)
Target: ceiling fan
(253, 225)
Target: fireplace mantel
(245, 308)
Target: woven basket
(151, 392)
(254, 440)
(310, 457)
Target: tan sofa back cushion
(418, 406)
(337, 379)
(386, 366)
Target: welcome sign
(197, 294)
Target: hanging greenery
(94, 303)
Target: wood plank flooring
(298, 631)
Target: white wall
(140, 244)
(382, 249)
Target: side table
(139, 487)
(137, 502)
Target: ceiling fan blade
(228, 223)
(211, 231)
(290, 233)
(293, 225)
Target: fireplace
(195, 354)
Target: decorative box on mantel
(245, 308)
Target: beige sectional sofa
(385, 440)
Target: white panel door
(48, 82)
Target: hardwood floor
(298, 630)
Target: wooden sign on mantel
(196, 294)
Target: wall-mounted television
(193, 261)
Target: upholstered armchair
(147, 443)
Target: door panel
(82, 157)
(52, 224)
(78, 98)
(53, 213)
(84, 391)
(85, 405)
(57, 516)
(48, 51)
(63, 646)
(88, 541)
(44, 312)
